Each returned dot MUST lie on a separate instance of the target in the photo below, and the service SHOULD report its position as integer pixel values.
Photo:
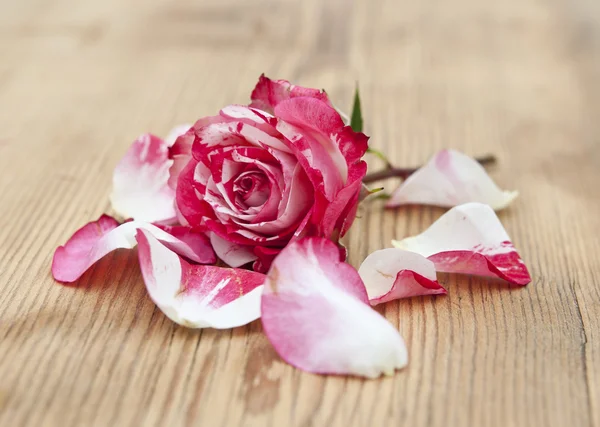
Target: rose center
(251, 189)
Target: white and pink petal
(140, 182)
(339, 215)
(392, 273)
(189, 206)
(268, 93)
(198, 296)
(470, 239)
(232, 254)
(180, 152)
(316, 314)
(449, 179)
(311, 127)
(98, 238)
(175, 133)
(254, 127)
(183, 236)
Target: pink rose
(277, 183)
(259, 177)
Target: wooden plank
(80, 79)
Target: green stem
(392, 172)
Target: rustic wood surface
(80, 79)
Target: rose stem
(404, 173)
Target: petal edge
(315, 312)
(470, 239)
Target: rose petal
(268, 93)
(188, 204)
(449, 179)
(140, 188)
(339, 215)
(315, 312)
(198, 296)
(98, 238)
(297, 201)
(311, 127)
(470, 239)
(390, 274)
(311, 114)
(198, 242)
(180, 150)
(257, 127)
(181, 153)
(232, 254)
(175, 133)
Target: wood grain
(79, 80)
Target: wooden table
(79, 80)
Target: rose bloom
(261, 176)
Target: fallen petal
(390, 274)
(81, 250)
(449, 179)
(140, 188)
(198, 296)
(316, 314)
(470, 239)
(98, 238)
(199, 243)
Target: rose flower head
(261, 176)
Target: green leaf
(356, 120)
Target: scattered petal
(140, 188)
(98, 238)
(449, 179)
(390, 274)
(198, 296)
(199, 242)
(78, 254)
(315, 312)
(470, 239)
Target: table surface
(79, 80)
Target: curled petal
(311, 114)
(140, 188)
(98, 238)
(198, 296)
(268, 93)
(340, 213)
(449, 179)
(390, 274)
(175, 133)
(256, 118)
(180, 148)
(199, 243)
(470, 239)
(232, 254)
(353, 145)
(188, 205)
(180, 153)
(311, 127)
(76, 256)
(315, 312)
